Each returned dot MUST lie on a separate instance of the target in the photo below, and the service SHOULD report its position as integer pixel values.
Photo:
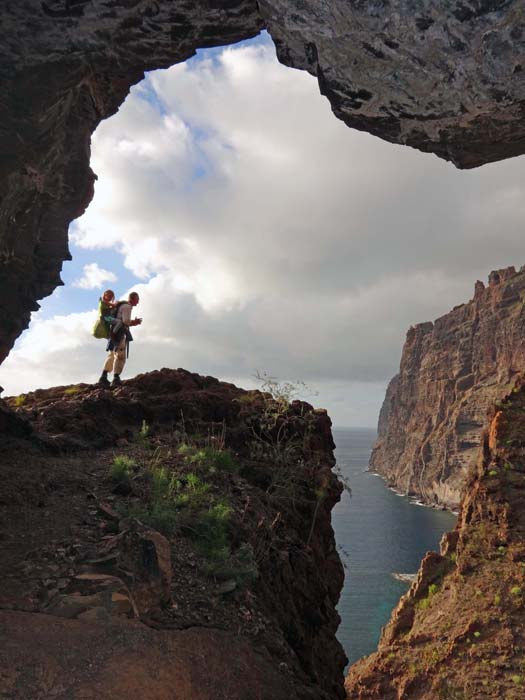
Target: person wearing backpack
(119, 339)
(106, 314)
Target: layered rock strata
(459, 632)
(444, 78)
(96, 602)
(451, 373)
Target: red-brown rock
(460, 630)
(451, 373)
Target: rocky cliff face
(459, 633)
(451, 373)
(442, 77)
(204, 566)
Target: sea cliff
(451, 373)
(459, 632)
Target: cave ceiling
(446, 77)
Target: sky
(264, 235)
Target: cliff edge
(451, 373)
(459, 633)
(170, 538)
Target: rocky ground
(459, 633)
(206, 543)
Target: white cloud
(94, 277)
(270, 236)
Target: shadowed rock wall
(444, 78)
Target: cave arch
(446, 81)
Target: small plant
(121, 469)
(518, 680)
(142, 437)
(20, 400)
(161, 511)
(516, 590)
(497, 599)
(191, 492)
(159, 516)
(209, 531)
(477, 634)
(239, 566)
(278, 433)
(424, 603)
(222, 461)
(493, 472)
(209, 458)
(72, 390)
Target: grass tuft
(121, 469)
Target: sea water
(378, 534)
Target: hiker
(119, 339)
(106, 314)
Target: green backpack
(105, 319)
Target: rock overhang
(446, 80)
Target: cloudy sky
(264, 235)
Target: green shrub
(142, 437)
(223, 461)
(209, 458)
(71, 390)
(121, 469)
(160, 516)
(239, 566)
(210, 531)
(424, 603)
(191, 492)
(20, 400)
(161, 511)
(517, 679)
(516, 590)
(185, 449)
(163, 485)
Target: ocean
(378, 533)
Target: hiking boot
(117, 381)
(104, 381)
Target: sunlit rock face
(444, 78)
(451, 374)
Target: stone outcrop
(451, 373)
(443, 78)
(248, 600)
(460, 630)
